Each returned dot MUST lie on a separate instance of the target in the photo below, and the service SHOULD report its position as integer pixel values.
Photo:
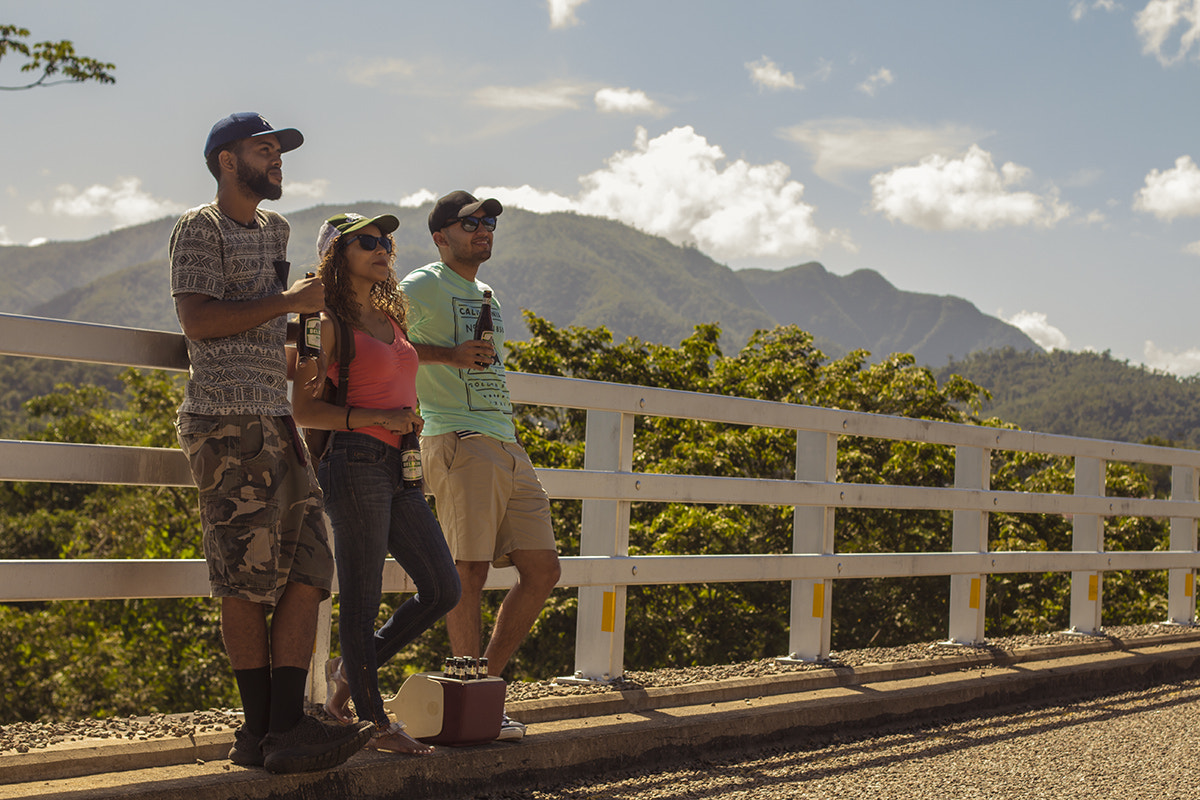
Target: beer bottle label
(410, 465)
(312, 333)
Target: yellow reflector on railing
(609, 615)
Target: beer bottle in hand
(484, 327)
(308, 343)
(410, 460)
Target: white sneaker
(510, 730)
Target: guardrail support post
(604, 531)
(317, 688)
(968, 593)
(812, 600)
(1087, 588)
(1181, 596)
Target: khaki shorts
(489, 500)
(260, 508)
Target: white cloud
(1084, 177)
(417, 198)
(857, 145)
(1184, 363)
(676, 186)
(379, 72)
(1192, 248)
(562, 12)
(1079, 8)
(124, 202)
(308, 189)
(1035, 325)
(547, 97)
(876, 82)
(767, 75)
(4, 236)
(1095, 217)
(37, 241)
(626, 101)
(1156, 23)
(529, 198)
(969, 192)
(1173, 192)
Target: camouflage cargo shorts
(260, 507)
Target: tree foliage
(66, 659)
(48, 59)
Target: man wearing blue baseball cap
(266, 539)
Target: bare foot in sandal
(393, 739)
(338, 690)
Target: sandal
(393, 739)
(337, 690)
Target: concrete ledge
(584, 745)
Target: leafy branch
(51, 59)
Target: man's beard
(258, 183)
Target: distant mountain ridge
(568, 268)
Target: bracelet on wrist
(349, 427)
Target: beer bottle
(410, 460)
(484, 327)
(483, 667)
(308, 343)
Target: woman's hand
(400, 420)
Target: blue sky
(1036, 157)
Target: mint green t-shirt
(442, 309)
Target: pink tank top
(381, 376)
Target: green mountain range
(1085, 394)
(567, 268)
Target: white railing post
(812, 599)
(968, 593)
(317, 689)
(604, 531)
(1087, 588)
(1181, 583)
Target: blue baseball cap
(246, 125)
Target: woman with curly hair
(372, 511)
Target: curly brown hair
(385, 295)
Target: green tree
(47, 59)
(74, 659)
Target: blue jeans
(373, 514)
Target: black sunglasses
(471, 223)
(368, 242)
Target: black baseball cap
(460, 204)
(246, 125)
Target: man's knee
(472, 576)
(539, 569)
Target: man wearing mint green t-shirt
(491, 506)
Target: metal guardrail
(607, 485)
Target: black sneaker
(247, 748)
(312, 745)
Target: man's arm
(205, 317)
(471, 354)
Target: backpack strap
(345, 354)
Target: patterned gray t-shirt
(214, 255)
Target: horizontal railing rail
(607, 485)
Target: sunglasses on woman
(368, 242)
(469, 224)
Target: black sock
(287, 697)
(254, 685)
